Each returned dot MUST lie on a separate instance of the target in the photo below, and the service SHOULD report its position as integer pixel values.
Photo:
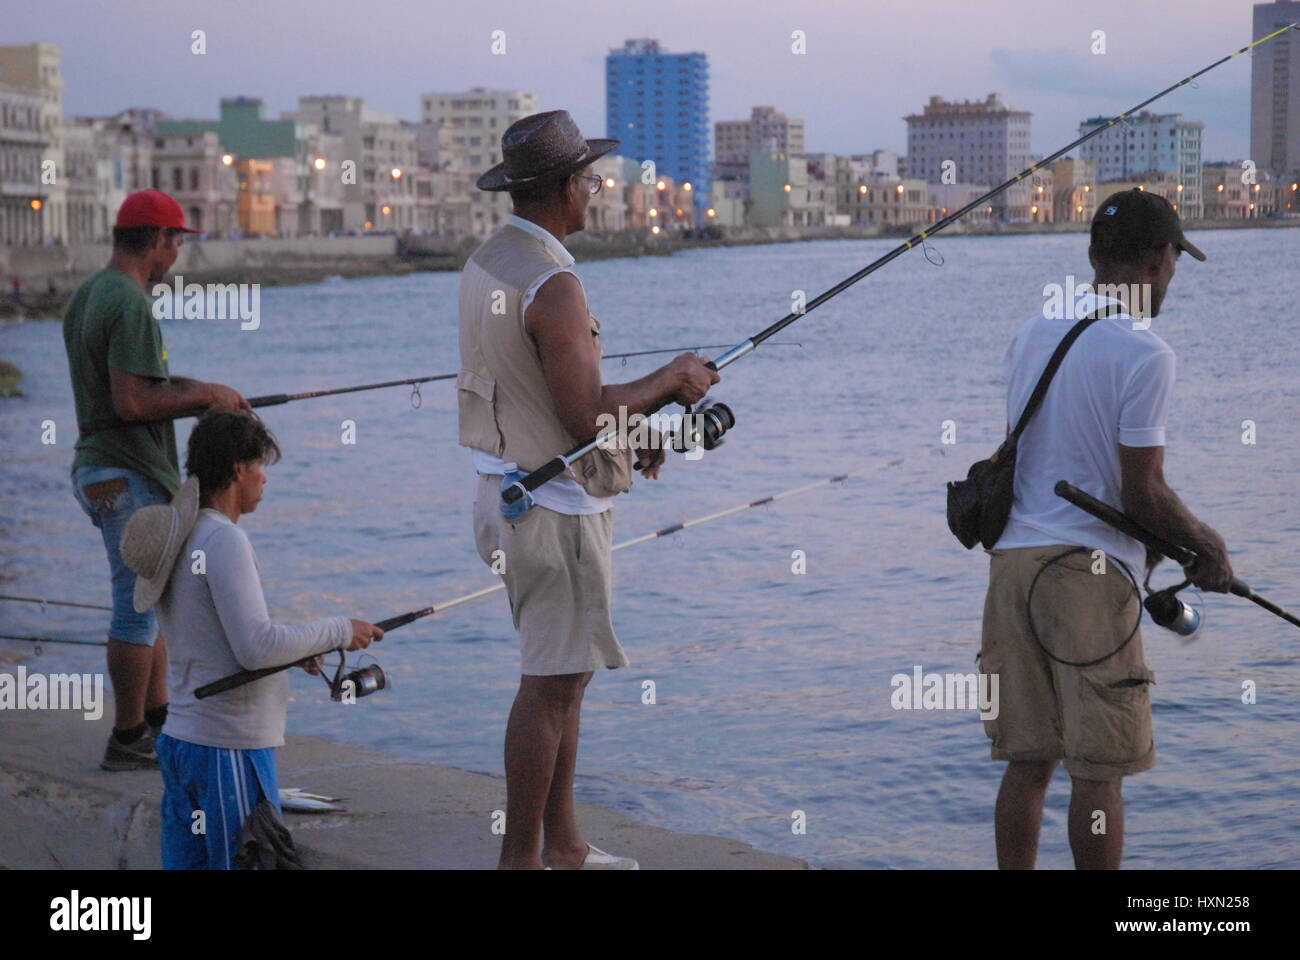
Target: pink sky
(866, 66)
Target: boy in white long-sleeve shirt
(218, 754)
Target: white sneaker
(600, 860)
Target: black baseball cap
(1140, 220)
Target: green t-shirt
(110, 323)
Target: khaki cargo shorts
(556, 570)
(1098, 718)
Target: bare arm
(144, 398)
(1149, 500)
(557, 320)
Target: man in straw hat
(126, 449)
(530, 388)
(194, 562)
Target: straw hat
(153, 538)
(540, 146)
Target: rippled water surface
(772, 688)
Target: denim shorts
(109, 507)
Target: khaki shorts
(557, 574)
(1098, 718)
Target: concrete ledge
(58, 810)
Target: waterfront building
(380, 156)
(1150, 142)
(657, 104)
(766, 129)
(23, 145)
(972, 142)
(307, 196)
(1275, 90)
(1074, 181)
(36, 66)
(192, 168)
(475, 120)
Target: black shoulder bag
(979, 506)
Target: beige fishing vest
(505, 405)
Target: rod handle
(240, 678)
(548, 471)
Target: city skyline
(1037, 56)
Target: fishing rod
(248, 676)
(1164, 606)
(715, 421)
(275, 399)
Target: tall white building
(1149, 143)
(975, 141)
(477, 118)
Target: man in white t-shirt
(1061, 615)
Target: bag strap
(1045, 380)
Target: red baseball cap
(152, 208)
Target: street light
(710, 213)
(687, 186)
(609, 183)
(36, 204)
(654, 211)
(900, 188)
(319, 163)
(397, 173)
(787, 188)
(654, 230)
(661, 185)
(385, 209)
(227, 159)
(862, 188)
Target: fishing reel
(704, 427)
(361, 682)
(1168, 611)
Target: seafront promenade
(58, 810)
(49, 275)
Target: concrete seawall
(282, 261)
(58, 810)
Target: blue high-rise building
(658, 104)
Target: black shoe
(139, 755)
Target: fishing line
(1029, 609)
(561, 462)
(248, 676)
(56, 603)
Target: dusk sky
(866, 66)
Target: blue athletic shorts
(224, 786)
(111, 515)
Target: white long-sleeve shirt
(213, 618)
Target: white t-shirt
(1113, 387)
(562, 494)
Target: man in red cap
(126, 449)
